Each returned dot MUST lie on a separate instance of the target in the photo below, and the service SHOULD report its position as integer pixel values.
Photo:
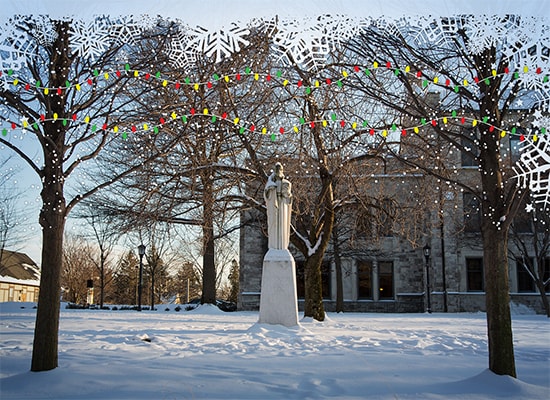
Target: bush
(178, 308)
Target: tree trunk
(499, 320)
(52, 220)
(208, 261)
(339, 284)
(153, 290)
(102, 282)
(313, 306)
(495, 228)
(53, 212)
(338, 268)
(497, 214)
(544, 298)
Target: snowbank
(210, 354)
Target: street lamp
(427, 250)
(141, 252)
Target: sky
(209, 354)
(213, 13)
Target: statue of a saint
(278, 200)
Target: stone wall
(253, 246)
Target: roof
(18, 268)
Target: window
(472, 213)
(364, 280)
(385, 280)
(525, 282)
(474, 271)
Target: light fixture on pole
(427, 250)
(141, 252)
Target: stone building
(387, 270)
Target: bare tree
(234, 282)
(125, 279)
(13, 220)
(54, 107)
(105, 235)
(78, 269)
(198, 183)
(159, 257)
(531, 237)
(414, 64)
(185, 284)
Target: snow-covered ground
(209, 354)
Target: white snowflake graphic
(533, 169)
(126, 30)
(181, 52)
(307, 42)
(218, 44)
(541, 99)
(302, 42)
(529, 50)
(432, 30)
(15, 48)
(91, 39)
(340, 28)
(484, 31)
(40, 27)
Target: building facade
(429, 258)
(19, 277)
(396, 276)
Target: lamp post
(141, 252)
(427, 251)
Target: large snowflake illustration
(485, 31)
(436, 31)
(307, 42)
(40, 28)
(126, 30)
(180, 51)
(533, 169)
(91, 39)
(15, 47)
(218, 44)
(530, 51)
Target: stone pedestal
(278, 300)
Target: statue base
(278, 299)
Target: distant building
(19, 277)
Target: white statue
(278, 200)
